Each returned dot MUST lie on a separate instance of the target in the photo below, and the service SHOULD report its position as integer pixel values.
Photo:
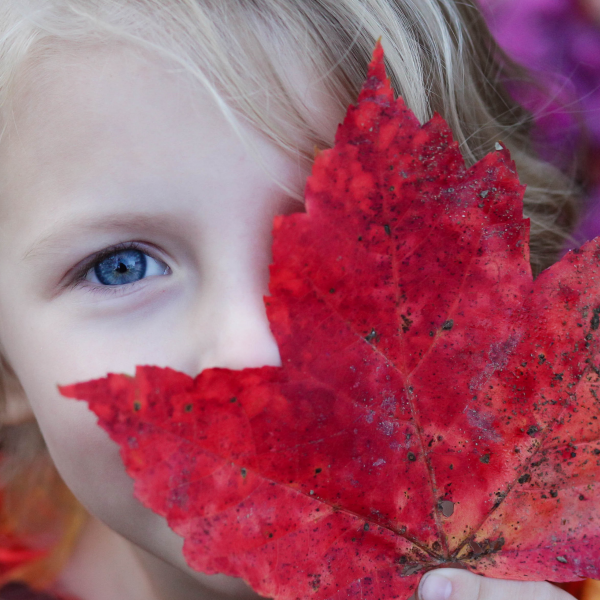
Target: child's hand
(456, 584)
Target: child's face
(108, 150)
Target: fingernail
(435, 587)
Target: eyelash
(79, 280)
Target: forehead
(82, 97)
(93, 73)
(74, 108)
(101, 119)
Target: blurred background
(559, 41)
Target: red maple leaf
(435, 406)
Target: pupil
(125, 266)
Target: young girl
(146, 146)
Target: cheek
(83, 453)
(90, 465)
(43, 355)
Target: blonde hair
(439, 54)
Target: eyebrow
(60, 239)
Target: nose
(241, 336)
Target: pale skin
(115, 150)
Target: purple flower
(559, 42)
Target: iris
(126, 266)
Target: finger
(458, 584)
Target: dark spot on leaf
(137, 406)
(437, 546)
(501, 496)
(448, 325)
(524, 478)
(387, 229)
(596, 451)
(532, 431)
(451, 467)
(372, 336)
(244, 472)
(188, 408)
(484, 194)
(270, 535)
(412, 457)
(485, 459)
(596, 319)
(542, 358)
(366, 527)
(573, 454)
(406, 323)
(332, 291)
(447, 508)
(553, 493)
(562, 559)
(581, 497)
(392, 188)
(234, 399)
(318, 470)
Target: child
(147, 145)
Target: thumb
(459, 584)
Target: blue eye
(119, 266)
(123, 267)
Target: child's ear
(14, 405)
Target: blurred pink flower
(559, 41)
